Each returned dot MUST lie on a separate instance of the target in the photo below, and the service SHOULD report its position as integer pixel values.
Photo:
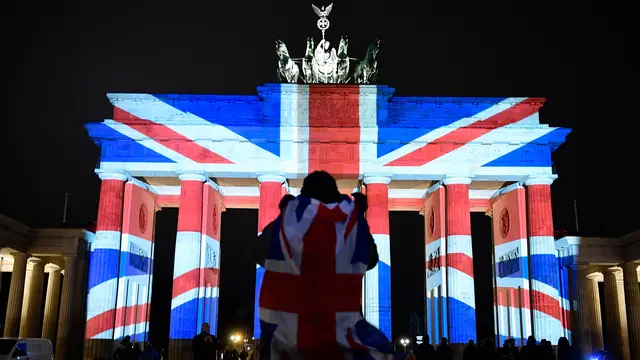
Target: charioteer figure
(325, 65)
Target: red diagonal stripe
(551, 305)
(462, 136)
(124, 316)
(191, 280)
(169, 138)
(461, 262)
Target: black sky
(60, 58)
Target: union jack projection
(311, 293)
(121, 262)
(348, 130)
(196, 274)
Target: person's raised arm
(362, 203)
(373, 254)
(262, 245)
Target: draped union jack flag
(311, 293)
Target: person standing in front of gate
(260, 250)
(204, 345)
(319, 250)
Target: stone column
(79, 309)
(626, 355)
(461, 301)
(378, 280)
(32, 303)
(582, 335)
(270, 196)
(65, 323)
(49, 326)
(632, 302)
(543, 256)
(103, 268)
(594, 312)
(184, 314)
(16, 291)
(616, 325)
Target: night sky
(62, 57)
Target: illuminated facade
(444, 157)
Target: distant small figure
(243, 354)
(123, 352)
(426, 351)
(470, 351)
(444, 351)
(204, 345)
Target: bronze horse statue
(367, 70)
(287, 69)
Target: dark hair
(320, 185)
(284, 201)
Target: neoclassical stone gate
(445, 157)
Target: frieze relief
(330, 152)
(331, 109)
(336, 109)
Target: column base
(99, 349)
(180, 349)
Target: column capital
(593, 276)
(112, 175)
(19, 255)
(616, 271)
(540, 180)
(376, 180)
(52, 267)
(630, 265)
(456, 179)
(192, 177)
(36, 262)
(271, 178)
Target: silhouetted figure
(234, 354)
(425, 351)
(204, 345)
(487, 349)
(546, 350)
(505, 351)
(243, 354)
(530, 351)
(444, 351)
(124, 350)
(470, 351)
(513, 349)
(565, 351)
